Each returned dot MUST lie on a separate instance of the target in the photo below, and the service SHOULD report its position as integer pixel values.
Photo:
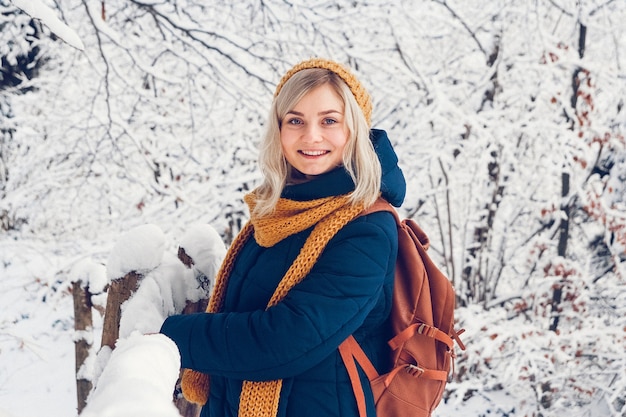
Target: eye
(294, 121)
(329, 121)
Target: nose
(312, 134)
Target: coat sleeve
(309, 324)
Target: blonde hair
(359, 157)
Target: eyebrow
(322, 113)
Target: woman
(275, 319)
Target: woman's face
(313, 134)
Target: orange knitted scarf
(329, 215)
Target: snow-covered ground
(36, 332)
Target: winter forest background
(508, 118)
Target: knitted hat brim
(359, 92)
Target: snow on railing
(138, 379)
(135, 371)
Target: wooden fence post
(186, 408)
(119, 291)
(83, 323)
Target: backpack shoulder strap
(382, 205)
(351, 353)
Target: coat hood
(393, 185)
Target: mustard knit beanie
(358, 91)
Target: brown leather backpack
(422, 318)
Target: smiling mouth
(314, 153)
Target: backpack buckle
(414, 370)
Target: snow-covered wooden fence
(83, 323)
(89, 285)
(135, 371)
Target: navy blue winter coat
(348, 291)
